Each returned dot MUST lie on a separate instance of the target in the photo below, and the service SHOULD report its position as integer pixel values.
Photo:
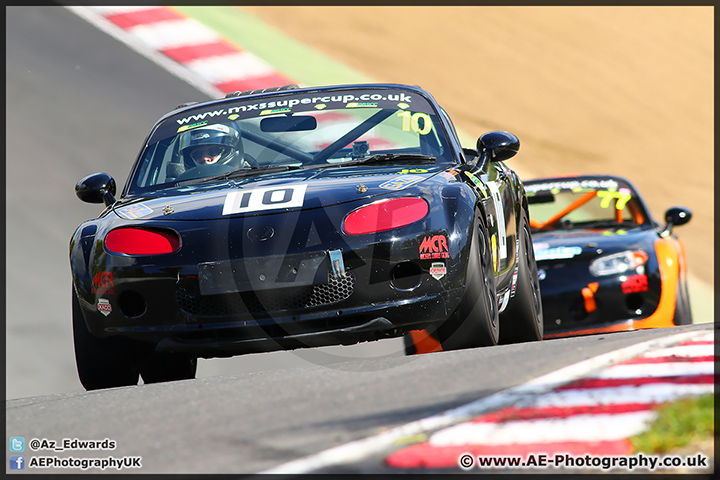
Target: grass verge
(683, 423)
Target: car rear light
(141, 241)
(621, 262)
(385, 215)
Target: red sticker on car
(103, 283)
(635, 284)
(435, 246)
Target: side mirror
(498, 146)
(674, 217)
(96, 188)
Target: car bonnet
(566, 244)
(277, 193)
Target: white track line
(173, 33)
(684, 351)
(655, 370)
(234, 66)
(651, 393)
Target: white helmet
(224, 140)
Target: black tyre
(168, 367)
(522, 320)
(409, 345)
(100, 362)
(683, 312)
(475, 323)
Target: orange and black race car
(604, 264)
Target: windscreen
(319, 129)
(583, 203)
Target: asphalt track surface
(78, 102)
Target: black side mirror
(674, 217)
(497, 146)
(96, 188)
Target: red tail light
(385, 215)
(140, 241)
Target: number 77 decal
(608, 196)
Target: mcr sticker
(435, 246)
(103, 283)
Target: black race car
(604, 264)
(298, 217)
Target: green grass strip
(678, 424)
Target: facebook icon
(17, 462)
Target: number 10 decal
(412, 121)
(500, 216)
(270, 198)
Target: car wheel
(168, 367)
(522, 320)
(683, 313)
(409, 345)
(100, 363)
(475, 322)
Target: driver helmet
(210, 144)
